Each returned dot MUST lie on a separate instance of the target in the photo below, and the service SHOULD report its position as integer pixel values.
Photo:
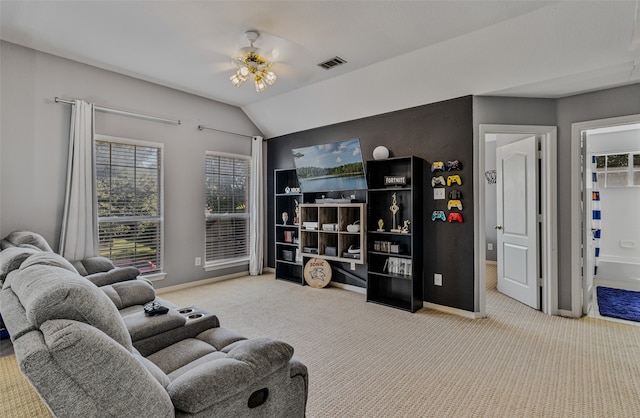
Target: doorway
(506, 134)
(584, 145)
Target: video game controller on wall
(437, 180)
(438, 214)
(454, 165)
(455, 216)
(455, 194)
(454, 179)
(454, 204)
(437, 166)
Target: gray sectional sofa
(82, 338)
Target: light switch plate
(438, 193)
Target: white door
(517, 194)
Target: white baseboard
(349, 287)
(565, 313)
(200, 282)
(450, 310)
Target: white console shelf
(333, 231)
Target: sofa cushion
(49, 292)
(125, 294)
(109, 376)
(19, 238)
(13, 314)
(264, 355)
(12, 258)
(221, 378)
(180, 354)
(209, 384)
(49, 259)
(155, 371)
(221, 338)
(118, 274)
(92, 265)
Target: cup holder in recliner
(195, 316)
(257, 398)
(185, 310)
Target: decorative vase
(380, 153)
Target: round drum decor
(317, 272)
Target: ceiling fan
(251, 64)
(267, 58)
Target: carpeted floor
(17, 397)
(366, 360)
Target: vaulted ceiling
(399, 54)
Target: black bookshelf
(395, 246)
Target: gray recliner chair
(77, 351)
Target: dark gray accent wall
(436, 132)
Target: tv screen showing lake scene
(330, 167)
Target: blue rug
(619, 303)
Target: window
(226, 209)
(129, 188)
(618, 170)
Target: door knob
(498, 226)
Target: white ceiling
(399, 54)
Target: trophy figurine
(380, 225)
(394, 208)
(285, 218)
(296, 219)
(405, 227)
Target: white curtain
(79, 237)
(256, 208)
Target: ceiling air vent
(333, 62)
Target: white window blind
(129, 186)
(226, 209)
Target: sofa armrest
(92, 265)
(129, 293)
(217, 380)
(112, 276)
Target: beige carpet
(366, 360)
(17, 397)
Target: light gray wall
(562, 113)
(621, 101)
(35, 131)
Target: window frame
(630, 169)
(159, 275)
(228, 263)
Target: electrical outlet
(198, 261)
(353, 266)
(437, 279)
(490, 246)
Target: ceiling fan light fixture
(252, 64)
(270, 77)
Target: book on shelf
(288, 236)
(397, 265)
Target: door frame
(548, 204)
(578, 298)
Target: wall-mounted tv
(330, 167)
